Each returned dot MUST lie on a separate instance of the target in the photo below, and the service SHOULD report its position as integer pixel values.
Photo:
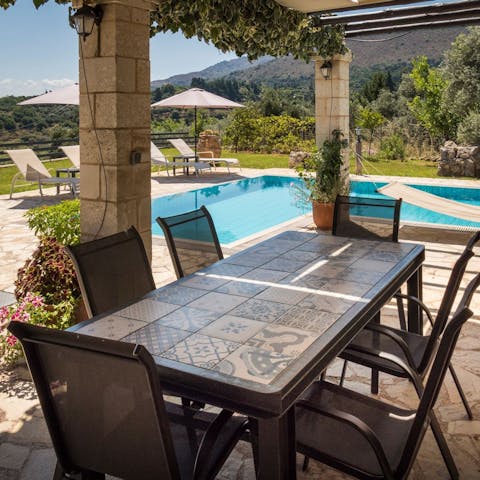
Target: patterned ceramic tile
(327, 270)
(201, 350)
(190, 319)
(278, 244)
(254, 364)
(360, 275)
(232, 328)
(316, 247)
(243, 288)
(296, 236)
(249, 259)
(384, 256)
(374, 265)
(178, 294)
(157, 338)
(305, 281)
(282, 339)
(265, 275)
(300, 255)
(260, 310)
(326, 303)
(355, 289)
(285, 264)
(147, 310)
(205, 282)
(307, 319)
(112, 327)
(283, 295)
(227, 269)
(217, 302)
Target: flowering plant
(30, 309)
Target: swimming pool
(252, 205)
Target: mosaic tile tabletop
(253, 314)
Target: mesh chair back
(192, 240)
(448, 299)
(367, 218)
(112, 271)
(102, 403)
(437, 373)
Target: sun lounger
(187, 152)
(73, 154)
(33, 170)
(158, 158)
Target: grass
(407, 168)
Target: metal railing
(48, 149)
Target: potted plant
(321, 174)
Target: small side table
(70, 171)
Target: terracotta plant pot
(322, 215)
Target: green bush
(469, 129)
(61, 221)
(392, 148)
(49, 273)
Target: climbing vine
(246, 27)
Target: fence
(48, 149)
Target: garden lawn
(7, 173)
(406, 168)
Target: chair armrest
(358, 425)
(418, 302)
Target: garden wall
(459, 161)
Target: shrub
(392, 148)
(61, 221)
(31, 309)
(49, 273)
(469, 129)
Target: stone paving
(25, 447)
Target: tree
(251, 27)
(428, 106)
(370, 120)
(461, 69)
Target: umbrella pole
(195, 131)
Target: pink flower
(11, 340)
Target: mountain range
(373, 51)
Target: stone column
(115, 122)
(332, 100)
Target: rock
(459, 161)
(296, 158)
(469, 168)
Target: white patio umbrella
(196, 98)
(66, 96)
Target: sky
(39, 50)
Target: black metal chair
(112, 271)
(370, 439)
(188, 234)
(367, 218)
(415, 350)
(103, 405)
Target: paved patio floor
(25, 448)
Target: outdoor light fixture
(85, 18)
(326, 69)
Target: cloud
(11, 86)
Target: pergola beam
(458, 7)
(393, 26)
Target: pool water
(239, 209)
(249, 206)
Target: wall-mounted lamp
(85, 18)
(326, 69)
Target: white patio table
(251, 332)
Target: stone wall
(209, 142)
(459, 161)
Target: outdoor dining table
(251, 332)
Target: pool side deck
(25, 447)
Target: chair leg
(344, 371)
(306, 461)
(443, 447)
(461, 392)
(401, 314)
(14, 181)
